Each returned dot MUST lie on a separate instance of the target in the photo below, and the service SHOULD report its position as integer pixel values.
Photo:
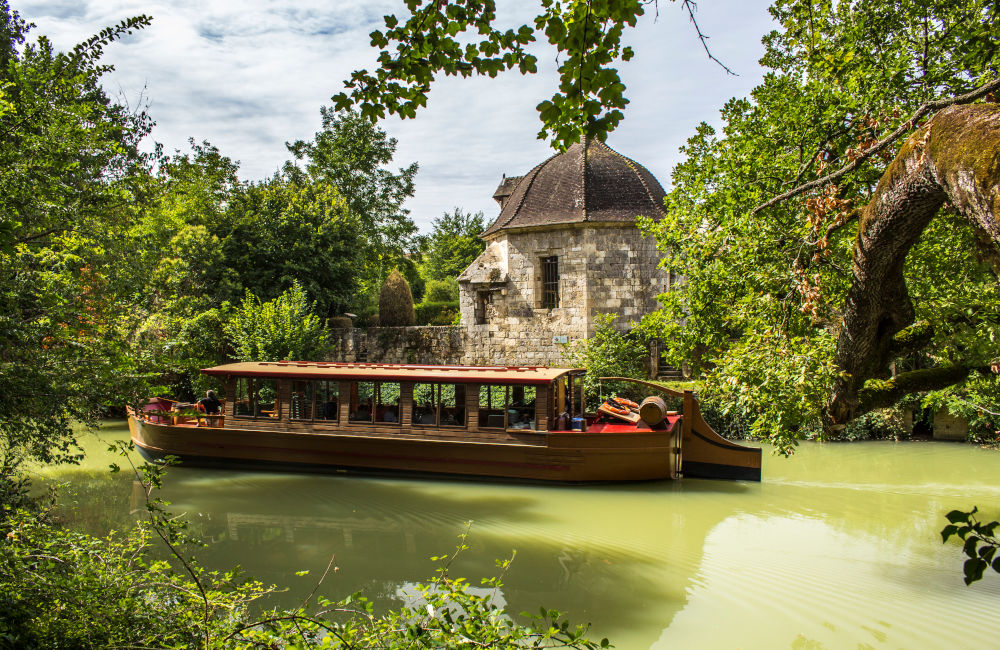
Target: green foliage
(395, 302)
(762, 295)
(980, 542)
(609, 353)
(350, 154)
(442, 291)
(60, 588)
(70, 173)
(279, 329)
(978, 401)
(462, 39)
(436, 313)
(452, 246)
(880, 424)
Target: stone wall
(421, 345)
(602, 269)
(440, 346)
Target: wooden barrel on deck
(652, 410)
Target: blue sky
(250, 76)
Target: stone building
(564, 248)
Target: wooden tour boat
(524, 423)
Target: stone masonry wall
(421, 345)
(601, 270)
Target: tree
(71, 174)
(280, 329)
(395, 302)
(350, 154)
(286, 230)
(453, 244)
(461, 38)
(765, 292)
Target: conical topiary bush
(395, 302)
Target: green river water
(838, 547)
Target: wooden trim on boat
(600, 452)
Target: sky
(249, 76)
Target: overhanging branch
(926, 108)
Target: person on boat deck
(330, 410)
(364, 412)
(210, 404)
(428, 416)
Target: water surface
(838, 547)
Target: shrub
(436, 313)
(441, 290)
(283, 328)
(610, 353)
(395, 302)
(881, 424)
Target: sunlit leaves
(980, 542)
(759, 304)
(460, 38)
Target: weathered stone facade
(564, 249)
(422, 345)
(601, 269)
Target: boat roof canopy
(391, 372)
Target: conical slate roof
(589, 182)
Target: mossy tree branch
(954, 158)
(879, 393)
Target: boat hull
(567, 457)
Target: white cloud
(249, 76)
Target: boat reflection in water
(384, 531)
(838, 547)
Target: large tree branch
(878, 393)
(956, 158)
(926, 108)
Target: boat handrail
(669, 391)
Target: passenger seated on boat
(427, 417)
(330, 410)
(209, 404)
(364, 413)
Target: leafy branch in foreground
(461, 38)
(62, 588)
(981, 542)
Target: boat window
(425, 403)
(387, 402)
(362, 398)
(314, 400)
(439, 404)
(266, 393)
(243, 404)
(452, 403)
(327, 399)
(492, 405)
(256, 398)
(521, 409)
(301, 406)
(576, 398)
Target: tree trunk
(956, 158)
